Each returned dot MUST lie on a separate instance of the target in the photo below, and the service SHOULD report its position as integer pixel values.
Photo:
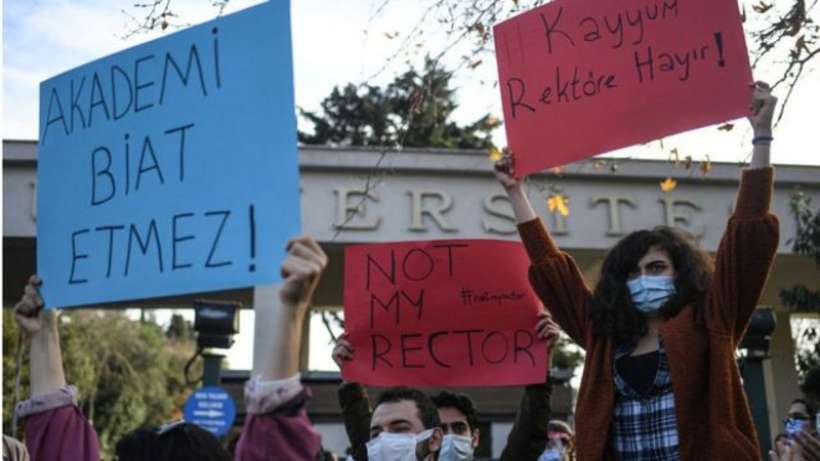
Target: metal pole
(212, 373)
(755, 386)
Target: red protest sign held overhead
(584, 77)
(441, 313)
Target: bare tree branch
(792, 33)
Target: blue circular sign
(212, 409)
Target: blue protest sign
(170, 167)
(212, 409)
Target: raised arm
(505, 173)
(275, 398)
(528, 436)
(278, 337)
(748, 246)
(760, 117)
(354, 403)
(40, 326)
(554, 275)
(54, 426)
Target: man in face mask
(459, 425)
(561, 442)
(526, 440)
(405, 427)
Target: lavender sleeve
(277, 425)
(56, 429)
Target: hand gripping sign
(442, 313)
(583, 77)
(170, 167)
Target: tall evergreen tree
(412, 111)
(801, 298)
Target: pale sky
(335, 42)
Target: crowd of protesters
(660, 380)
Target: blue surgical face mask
(554, 452)
(793, 425)
(650, 292)
(456, 448)
(551, 454)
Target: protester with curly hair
(661, 327)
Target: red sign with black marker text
(442, 313)
(583, 77)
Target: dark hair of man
(811, 383)
(612, 311)
(186, 442)
(461, 402)
(557, 425)
(428, 413)
(810, 410)
(325, 455)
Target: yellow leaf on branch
(495, 154)
(762, 7)
(706, 166)
(668, 184)
(558, 203)
(674, 156)
(557, 170)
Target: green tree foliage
(801, 298)
(412, 111)
(129, 372)
(180, 329)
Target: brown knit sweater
(714, 421)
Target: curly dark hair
(810, 410)
(612, 311)
(811, 383)
(182, 443)
(461, 402)
(428, 413)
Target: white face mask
(396, 447)
(456, 448)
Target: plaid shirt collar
(663, 379)
(645, 426)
